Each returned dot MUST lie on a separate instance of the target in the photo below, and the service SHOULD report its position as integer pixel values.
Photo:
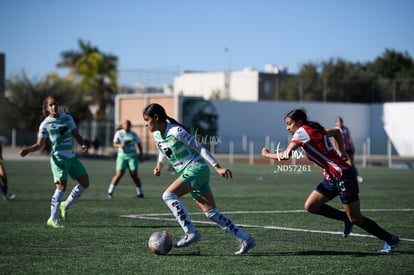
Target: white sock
(111, 188)
(226, 224)
(139, 190)
(74, 195)
(178, 209)
(55, 204)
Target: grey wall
(256, 120)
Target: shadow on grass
(155, 227)
(329, 253)
(198, 253)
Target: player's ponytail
(299, 114)
(156, 109)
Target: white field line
(161, 217)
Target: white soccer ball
(160, 242)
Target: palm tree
(95, 72)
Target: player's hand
(84, 149)
(23, 152)
(224, 172)
(157, 171)
(265, 151)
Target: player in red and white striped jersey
(339, 175)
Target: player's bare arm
(285, 155)
(80, 141)
(38, 145)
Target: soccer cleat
(54, 223)
(110, 196)
(11, 197)
(63, 211)
(347, 229)
(140, 196)
(188, 239)
(390, 246)
(245, 246)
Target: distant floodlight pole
(251, 152)
(364, 154)
(227, 74)
(389, 153)
(231, 152)
(272, 149)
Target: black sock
(3, 189)
(374, 229)
(332, 213)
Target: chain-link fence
(148, 77)
(295, 88)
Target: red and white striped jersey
(319, 149)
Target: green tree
(349, 82)
(22, 109)
(389, 78)
(309, 83)
(395, 73)
(94, 72)
(393, 64)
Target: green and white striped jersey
(59, 132)
(130, 139)
(181, 148)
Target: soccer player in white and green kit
(127, 142)
(59, 128)
(189, 159)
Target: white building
(247, 85)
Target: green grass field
(99, 238)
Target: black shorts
(347, 187)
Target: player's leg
(133, 172)
(137, 182)
(79, 173)
(316, 204)
(4, 183)
(354, 213)
(208, 206)
(171, 198)
(60, 175)
(55, 204)
(121, 165)
(114, 182)
(203, 197)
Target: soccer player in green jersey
(189, 159)
(127, 142)
(59, 128)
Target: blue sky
(193, 35)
